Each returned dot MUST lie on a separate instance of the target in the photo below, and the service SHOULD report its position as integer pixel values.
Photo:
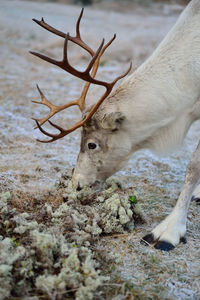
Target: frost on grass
(49, 251)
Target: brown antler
(85, 75)
(80, 101)
(77, 39)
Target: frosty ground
(31, 170)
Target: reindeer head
(100, 149)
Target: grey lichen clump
(80, 276)
(9, 256)
(52, 255)
(78, 270)
(116, 213)
(44, 257)
(113, 212)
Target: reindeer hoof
(161, 245)
(196, 199)
(183, 240)
(165, 246)
(147, 239)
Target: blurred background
(115, 3)
(91, 2)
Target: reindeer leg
(196, 195)
(172, 230)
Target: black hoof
(196, 199)
(147, 239)
(165, 246)
(183, 240)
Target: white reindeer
(153, 108)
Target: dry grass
(32, 203)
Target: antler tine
(78, 24)
(64, 64)
(94, 71)
(80, 102)
(107, 92)
(53, 108)
(123, 75)
(45, 102)
(77, 39)
(55, 137)
(64, 132)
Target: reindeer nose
(79, 188)
(78, 181)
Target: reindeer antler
(85, 75)
(77, 39)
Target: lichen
(112, 208)
(4, 200)
(22, 224)
(5, 196)
(78, 273)
(9, 255)
(117, 213)
(52, 255)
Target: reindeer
(153, 108)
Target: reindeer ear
(112, 121)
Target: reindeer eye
(92, 145)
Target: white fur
(196, 193)
(159, 102)
(174, 226)
(162, 95)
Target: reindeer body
(153, 108)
